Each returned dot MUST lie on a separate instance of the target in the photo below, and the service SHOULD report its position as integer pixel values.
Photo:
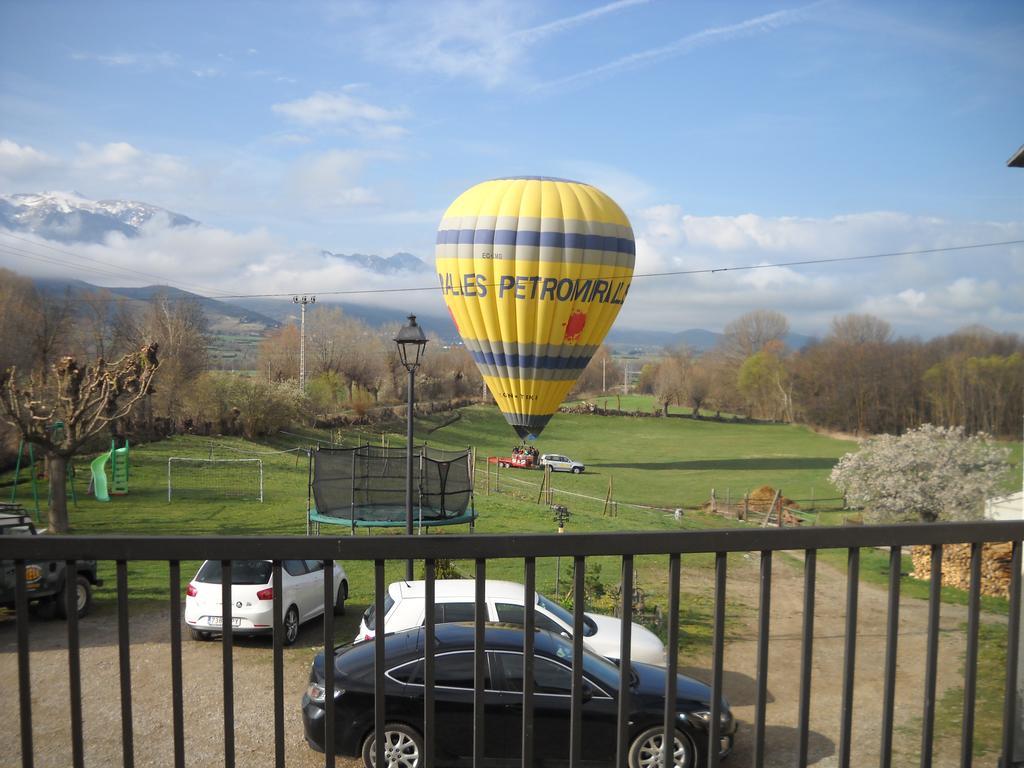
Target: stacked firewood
(996, 561)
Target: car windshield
(242, 572)
(597, 668)
(589, 627)
(370, 617)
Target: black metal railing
(528, 548)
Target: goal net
(214, 479)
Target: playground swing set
(118, 458)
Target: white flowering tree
(928, 474)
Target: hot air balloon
(534, 271)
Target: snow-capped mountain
(68, 217)
(399, 262)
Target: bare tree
(61, 412)
(750, 333)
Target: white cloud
(123, 163)
(20, 160)
(749, 27)
(344, 111)
(332, 180)
(484, 41)
(143, 61)
(923, 294)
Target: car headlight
(316, 692)
(704, 716)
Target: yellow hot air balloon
(534, 271)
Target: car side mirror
(588, 692)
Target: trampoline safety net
(367, 484)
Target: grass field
(659, 462)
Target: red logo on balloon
(574, 325)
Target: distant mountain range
(73, 218)
(399, 262)
(68, 217)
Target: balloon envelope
(534, 271)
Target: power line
(705, 271)
(12, 250)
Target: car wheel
(198, 634)
(291, 626)
(403, 747)
(576, 470)
(645, 751)
(83, 598)
(339, 604)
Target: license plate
(217, 621)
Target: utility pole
(302, 301)
(625, 381)
(604, 375)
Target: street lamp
(411, 344)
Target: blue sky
(732, 134)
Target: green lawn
(664, 463)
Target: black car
(503, 700)
(44, 579)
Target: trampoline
(364, 487)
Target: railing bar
(810, 562)
(763, 625)
(576, 710)
(24, 676)
(505, 546)
(672, 666)
(891, 641)
(329, 704)
(479, 661)
(429, 642)
(177, 697)
(227, 644)
(931, 664)
(124, 659)
(715, 728)
(378, 662)
(529, 624)
(625, 674)
(849, 654)
(74, 663)
(971, 660)
(1010, 714)
(278, 607)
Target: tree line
(858, 379)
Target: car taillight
(368, 637)
(191, 591)
(265, 594)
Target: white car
(252, 597)
(454, 600)
(560, 463)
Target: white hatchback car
(252, 597)
(560, 463)
(454, 600)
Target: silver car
(560, 463)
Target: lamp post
(411, 343)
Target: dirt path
(204, 730)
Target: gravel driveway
(204, 730)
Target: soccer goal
(215, 479)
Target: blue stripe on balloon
(534, 239)
(545, 362)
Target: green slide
(99, 477)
